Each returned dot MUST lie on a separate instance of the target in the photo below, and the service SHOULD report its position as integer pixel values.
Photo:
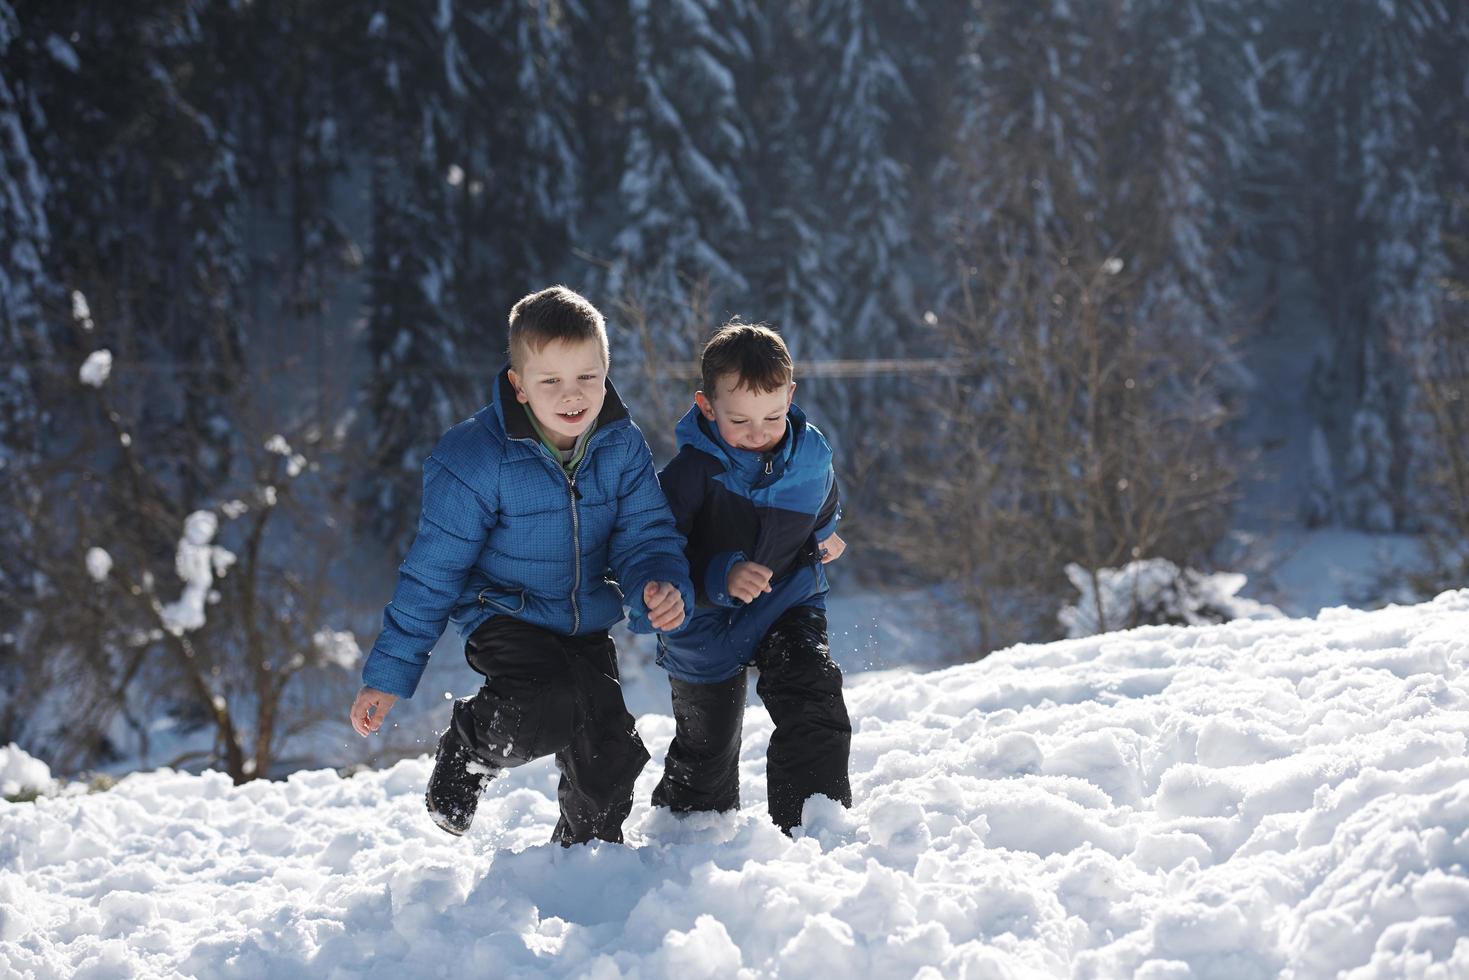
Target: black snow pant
(801, 687)
(548, 694)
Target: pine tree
(684, 183)
(795, 282)
(1083, 121)
(289, 81)
(415, 337)
(25, 237)
(828, 261)
(1377, 93)
(25, 294)
(476, 193)
(518, 190)
(861, 102)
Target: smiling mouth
(576, 416)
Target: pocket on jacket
(501, 598)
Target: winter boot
(455, 785)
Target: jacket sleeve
(716, 578)
(452, 527)
(647, 544)
(685, 483)
(831, 510)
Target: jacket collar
(515, 418)
(697, 432)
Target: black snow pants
(801, 687)
(548, 694)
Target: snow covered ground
(1259, 799)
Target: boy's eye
(550, 381)
(589, 377)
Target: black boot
(455, 785)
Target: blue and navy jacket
(504, 531)
(738, 505)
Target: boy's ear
(791, 395)
(705, 406)
(515, 383)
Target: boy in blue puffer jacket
(753, 491)
(541, 518)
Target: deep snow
(1258, 799)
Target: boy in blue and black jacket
(541, 519)
(753, 490)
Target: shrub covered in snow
(21, 773)
(1155, 592)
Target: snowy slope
(1259, 799)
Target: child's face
(747, 419)
(564, 386)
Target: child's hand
(665, 606)
(364, 719)
(747, 580)
(831, 549)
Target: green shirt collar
(568, 458)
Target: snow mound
(1256, 799)
(21, 773)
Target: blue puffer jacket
(737, 505)
(503, 531)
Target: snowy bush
(1155, 591)
(21, 773)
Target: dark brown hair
(554, 314)
(752, 352)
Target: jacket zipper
(572, 495)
